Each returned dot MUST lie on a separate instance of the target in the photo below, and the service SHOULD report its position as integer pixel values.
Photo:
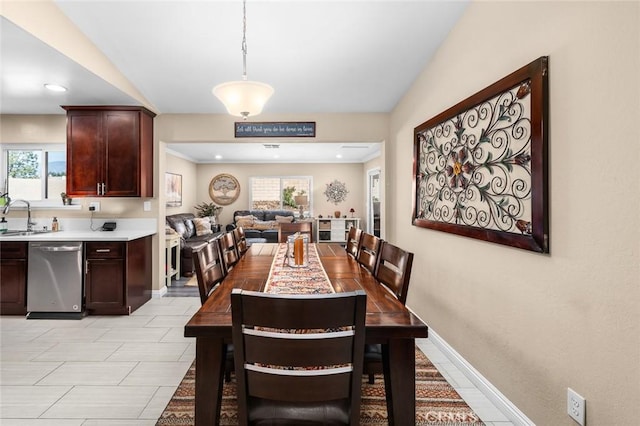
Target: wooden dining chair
(298, 357)
(210, 273)
(393, 272)
(368, 251)
(229, 251)
(353, 241)
(209, 268)
(286, 229)
(240, 240)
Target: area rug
(437, 403)
(192, 282)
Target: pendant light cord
(244, 40)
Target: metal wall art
(480, 167)
(224, 189)
(336, 192)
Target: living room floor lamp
(243, 98)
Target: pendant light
(243, 98)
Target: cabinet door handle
(103, 251)
(100, 188)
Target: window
(34, 173)
(279, 192)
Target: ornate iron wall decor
(480, 167)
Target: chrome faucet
(29, 222)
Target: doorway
(373, 202)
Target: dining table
(388, 322)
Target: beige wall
(536, 324)
(180, 166)
(337, 128)
(350, 174)
(40, 129)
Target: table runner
(284, 279)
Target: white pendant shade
(243, 98)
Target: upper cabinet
(109, 151)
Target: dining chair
(209, 268)
(229, 251)
(353, 241)
(368, 251)
(286, 229)
(298, 357)
(393, 272)
(240, 240)
(210, 273)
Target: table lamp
(301, 201)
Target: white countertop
(81, 230)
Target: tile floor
(122, 370)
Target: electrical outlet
(94, 206)
(576, 406)
(146, 206)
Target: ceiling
(320, 56)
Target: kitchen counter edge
(124, 235)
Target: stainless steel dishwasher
(54, 280)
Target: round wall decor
(336, 192)
(224, 189)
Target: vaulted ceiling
(320, 56)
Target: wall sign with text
(275, 129)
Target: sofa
(185, 225)
(261, 224)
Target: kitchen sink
(20, 232)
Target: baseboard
(159, 293)
(501, 402)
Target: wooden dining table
(388, 322)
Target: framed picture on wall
(173, 189)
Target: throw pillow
(264, 224)
(203, 226)
(245, 221)
(190, 227)
(284, 219)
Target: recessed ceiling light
(218, 157)
(339, 156)
(55, 87)
(276, 156)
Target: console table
(335, 230)
(172, 243)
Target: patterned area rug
(437, 403)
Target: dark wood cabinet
(109, 151)
(13, 278)
(117, 276)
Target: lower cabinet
(13, 278)
(117, 276)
